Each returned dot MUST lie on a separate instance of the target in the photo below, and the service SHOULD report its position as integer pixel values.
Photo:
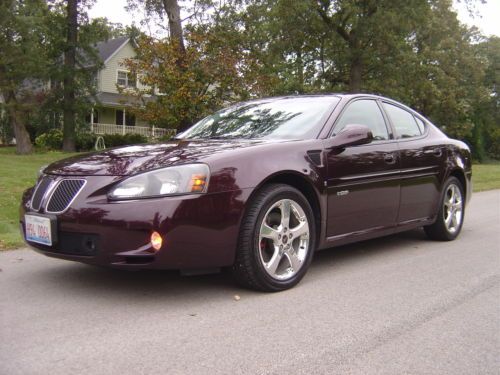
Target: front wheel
(451, 213)
(277, 239)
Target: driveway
(400, 304)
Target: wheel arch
(302, 184)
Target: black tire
(248, 269)
(439, 231)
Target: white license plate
(38, 229)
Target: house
(110, 114)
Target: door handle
(389, 158)
(435, 151)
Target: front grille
(40, 190)
(63, 195)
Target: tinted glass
(364, 112)
(287, 118)
(403, 121)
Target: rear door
(421, 162)
(363, 181)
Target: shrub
(494, 149)
(114, 140)
(85, 141)
(52, 140)
(165, 138)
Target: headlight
(182, 179)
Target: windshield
(286, 118)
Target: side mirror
(351, 135)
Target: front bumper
(198, 231)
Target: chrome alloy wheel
(453, 207)
(284, 239)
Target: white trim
(116, 51)
(129, 74)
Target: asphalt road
(397, 305)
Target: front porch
(146, 131)
(111, 115)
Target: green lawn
(18, 172)
(486, 176)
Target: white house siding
(109, 73)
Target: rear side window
(403, 121)
(364, 112)
(421, 125)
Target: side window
(421, 125)
(364, 112)
(403, 121)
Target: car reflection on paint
(257, 187)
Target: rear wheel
(276, 241)
(451, 213)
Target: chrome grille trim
(41, 188)
(63, 195)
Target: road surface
(396, 305)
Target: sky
(487, 20)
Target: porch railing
(146, 131)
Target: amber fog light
(156, 240)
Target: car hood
(124, 161)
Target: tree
(23, 62)
(69, 77)
(190, 73)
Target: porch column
(92, 120)
(153, 131)
(123, 122)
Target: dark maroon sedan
(257, 187)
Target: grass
(486, 176)
(18, 172)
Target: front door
(363, 181)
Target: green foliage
(85, 141)
(494, 148)
(114, 140)
(164, 138)
(50, 141)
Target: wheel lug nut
(291, 235)
(279, 236)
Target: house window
(125, 79)
(129, 118)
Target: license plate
(38, 229)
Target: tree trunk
(174, 23)
(355, 74)
(300, 71)
(23, 142)
(69, 77)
